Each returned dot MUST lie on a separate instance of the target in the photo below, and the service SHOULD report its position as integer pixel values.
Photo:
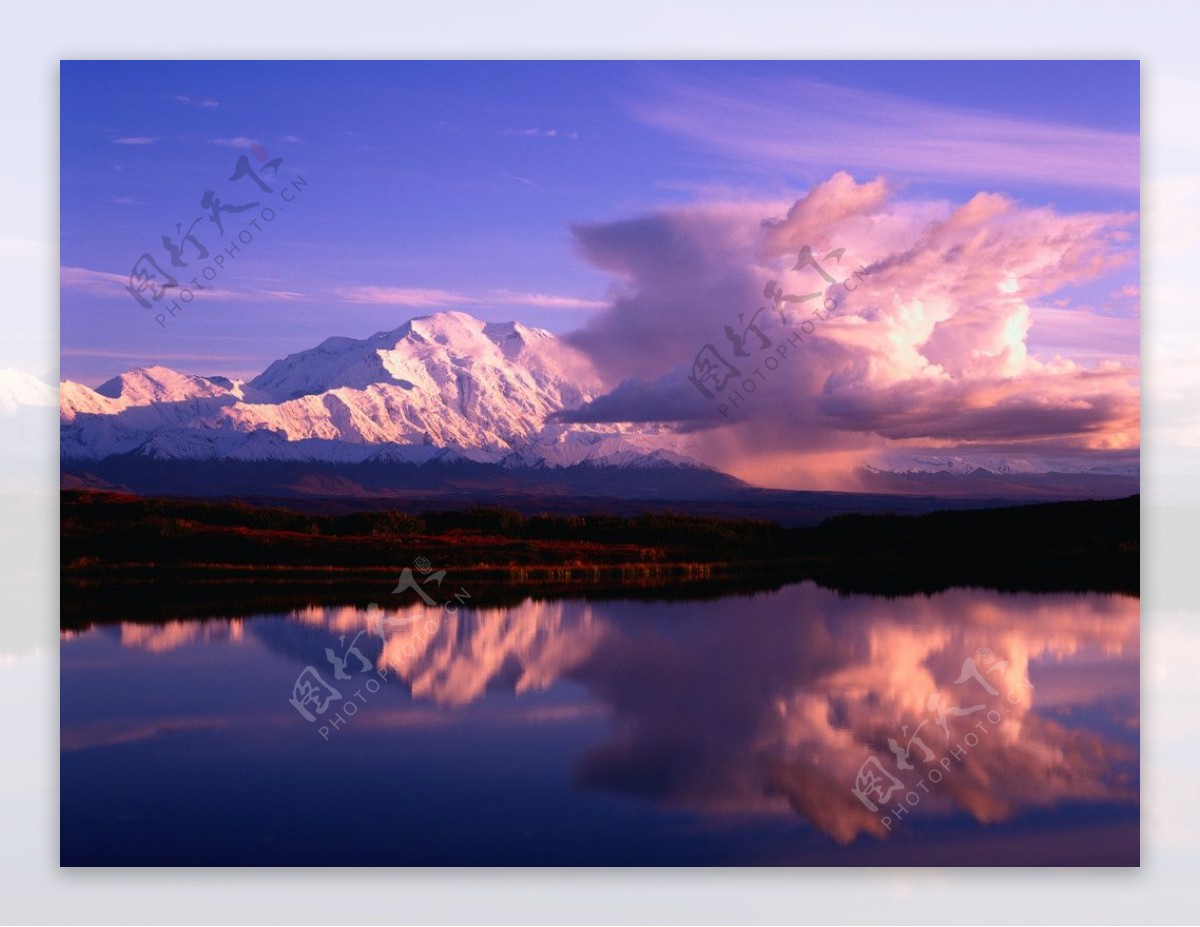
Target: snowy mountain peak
(18, 388)
(144, 385)
(429, 352)
(480, 390)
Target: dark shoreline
(131, 558)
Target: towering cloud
(919, 339)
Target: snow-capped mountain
(904, 464)
(19, 389)
(26, 433)
(443, 388)
(445, 404)
(1015, 480)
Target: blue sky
(456, 185)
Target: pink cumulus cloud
(927, 343)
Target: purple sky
(637, 208)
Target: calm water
(731, 732)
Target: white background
(1163, 35)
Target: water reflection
(163, 638)
(769, 704)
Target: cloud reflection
(771, 704)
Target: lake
(791, 727)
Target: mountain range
(445, 386)
(446, 404)
(443, 401)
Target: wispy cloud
(804, 125)
(542, 133)
(125, 201)
(543, 300)
(413, 297)
(524, 181)
(137, 140)
(1082, 333)
(286, 296)
(427, 298)
(93, 282)
(149, 359)
(108, 285)
(202, 102)
(237, 142)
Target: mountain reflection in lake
(618, 733)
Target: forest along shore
(138, 553)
